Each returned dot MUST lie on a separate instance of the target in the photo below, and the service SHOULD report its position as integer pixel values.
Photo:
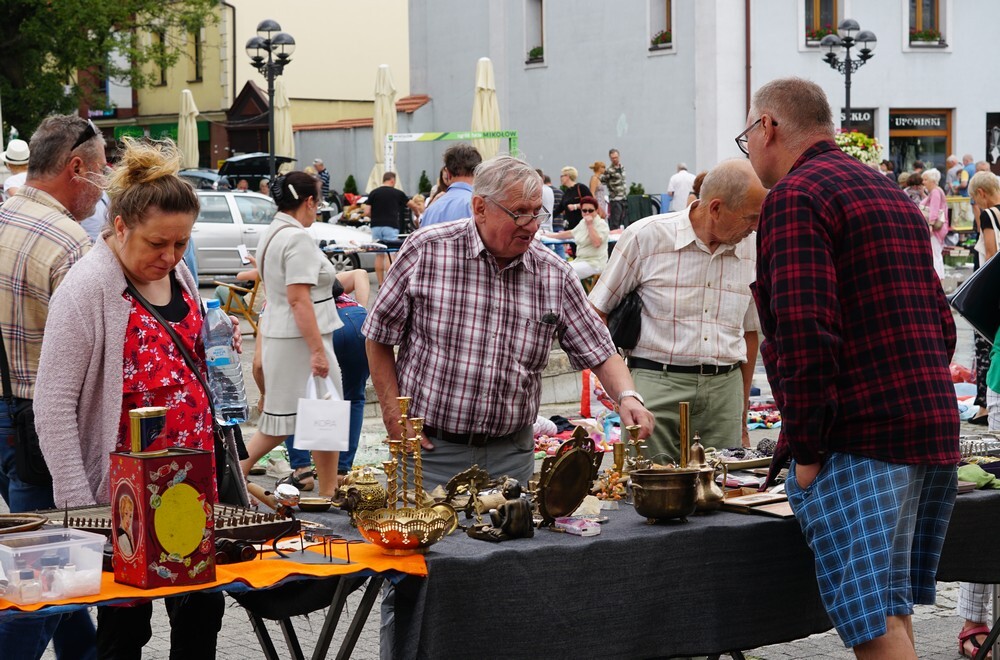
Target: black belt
(700, 369)
(468, 439)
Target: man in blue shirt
(461, 161)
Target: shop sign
(918, 122)
(102, 113)
(862, 120)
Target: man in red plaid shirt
(857, 341)
(474, 306)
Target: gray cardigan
(78, 393)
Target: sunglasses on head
(89, 131)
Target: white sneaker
(278, 467)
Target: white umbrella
(187, 130)
(485, 110)
(284, 145)
(385, 123)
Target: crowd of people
(769, 254)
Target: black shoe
(980, 420)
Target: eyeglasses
(522, 219)
(588, 210)
(742, 139)
(89, 131)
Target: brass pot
(662, 494)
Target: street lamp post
(846, 40)
(269, 52)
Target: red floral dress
(156, 375)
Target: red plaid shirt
(473, 339)
(857, 332)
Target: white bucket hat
(17, 153)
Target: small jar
(47, 577)
(29, 589)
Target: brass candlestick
(640, 462)
(619, 455)
(685, 442)
(398, 470)
(404, 409)
(418, 462)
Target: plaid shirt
(857, 332)
(39, 241)
(473, 339)
(614, 179)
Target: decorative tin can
(162, 513)
(145, 426)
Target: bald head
(729, 204)
(731, 181)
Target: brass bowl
(314, 504)
(666, 493)
(405, 531)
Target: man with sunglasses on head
(40, 239)
(474, 306)
(858, 338)
(698, 337)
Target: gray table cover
(719, 582)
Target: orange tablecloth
(258, 574)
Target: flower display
(662, 38)
(860, 146)
(815, 34)
(930, 34)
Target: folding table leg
(332, 617)
(360, 617)
(266, 645)
(291, 639)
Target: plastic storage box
(50, 564)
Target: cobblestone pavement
(935, 627)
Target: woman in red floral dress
(104, 354)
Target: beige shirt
(696, 304)
(585, 250)
(39, 242)
(291, 256)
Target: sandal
(303, 480)
(969, 635)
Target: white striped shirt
(696, 305)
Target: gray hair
(800, 107)
(933, 174)
(985, 181)
(494, 177)
(729, 181)
(51, 142)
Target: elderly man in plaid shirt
(474, 306)
(857, 341)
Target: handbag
(942, 216)
(977, 299)
(229, 447)
(625, 321)
(322, 423)
(28, 458)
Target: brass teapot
(709, 496)
(362, 492)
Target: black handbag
(28, 457)
(625, 321)
(229, 448)
(978, 299)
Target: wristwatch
(632, 393)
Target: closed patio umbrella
(187, 130)
(485, 109)
(385, 123)
(284, 145)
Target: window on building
(159, 71)
(925, 21)
(534, 30)
(661, 31)
(194, 52)
(821, 18)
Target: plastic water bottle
(225, 373)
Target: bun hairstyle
(146, 177)
(293, 189)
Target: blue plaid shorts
(876, 531)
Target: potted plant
(860, 146)
(662, 39)
(928, 37)
(536, 54)
(815, 35)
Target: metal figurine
(639, 461)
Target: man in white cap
(16, 158)
(324, 176)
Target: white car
(228, 219)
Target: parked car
(255, 166)
(228, 219)
(205, 179)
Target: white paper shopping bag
(323, 420)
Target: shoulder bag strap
(188, 359)
(263, 250)
(8, 391)
(993, 212)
